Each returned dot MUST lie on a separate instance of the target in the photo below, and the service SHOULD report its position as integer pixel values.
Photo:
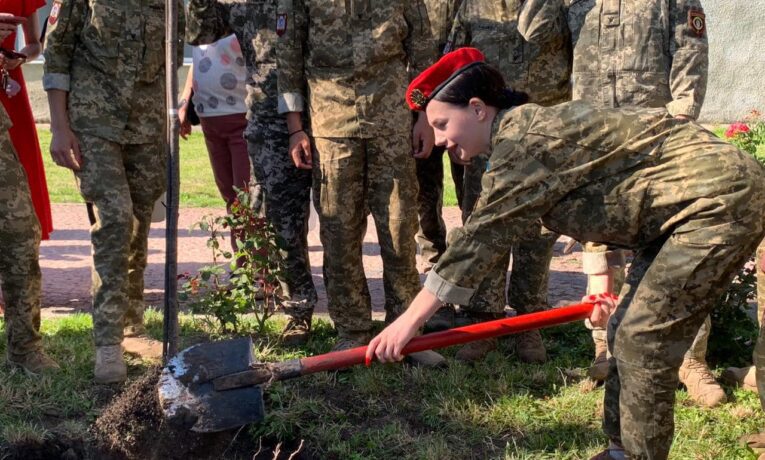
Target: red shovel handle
(354, 356)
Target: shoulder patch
(697, 21)
(53, 16)
(281, 24)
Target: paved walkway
(65, 261)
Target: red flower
(736, 128)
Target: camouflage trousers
(351, 178)
(527, 292)
(19, 265)
(284, 197)
(674, 281)
(122, 181)
(698, 349)
(431, 236)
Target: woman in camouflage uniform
(615, 176)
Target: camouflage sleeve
(690, 58)
(517, 191)
(64, 24)
(292, 32)
(458, 37)
(543, 21)
(419, 43)
(206, 22)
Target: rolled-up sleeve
(517, 191)
(64, 24)
(289, 55)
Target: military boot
(443, 319)
(110, 365)
(296, 332)
(530, 348)
(755, 442)
(701, 384)
(743, 377)
(348, 341)
(598, 370)
(475, 351)
(426, 358)
(36, 362)
(143, 346)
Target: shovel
(216, 386)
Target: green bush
(236, 283)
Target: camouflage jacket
(647, 53)
(441, 14)
(540, 64)
(357, 57)
(617, 176)
(110, 56)
(254, 24)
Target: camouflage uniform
(283, 190)
(643, 53)
(431, 237)
(538, 65)
(109, 56)
(356, 58)
(19, 266)
(690, 204)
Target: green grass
(498, 408)
(198, 187)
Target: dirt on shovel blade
(132, 427)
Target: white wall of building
(736, 59)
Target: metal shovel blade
(186, 392)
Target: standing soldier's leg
(746, 376)
(103, 182)
(286, 194)
(668, 294)
(145, 169)
(596, 260)
(19, 265)
(431, 237)
(527, 292)
(458, 177)
(489, 300)
(340, 198)
(392, 194)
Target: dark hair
(484, 82)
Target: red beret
(435, 77)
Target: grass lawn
(197, 184)
(498, 408)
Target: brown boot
(110, 365)
(426, 358)
(598, 370)
(755, 442)
(530, 347)
(743, 377)
(701, 384)
(296, 332)
(34, 363)
(475, 351)
(143, 346)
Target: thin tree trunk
(170, 326)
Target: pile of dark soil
(132, 427)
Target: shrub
(240, 282)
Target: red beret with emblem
(434, 78)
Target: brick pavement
(65, 261)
